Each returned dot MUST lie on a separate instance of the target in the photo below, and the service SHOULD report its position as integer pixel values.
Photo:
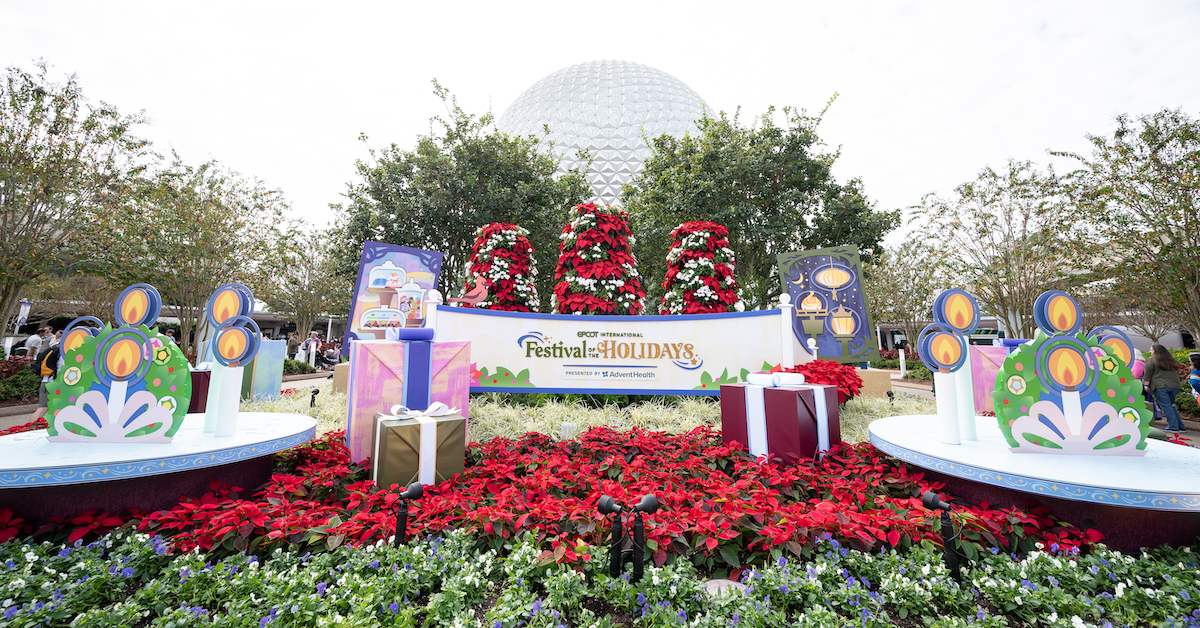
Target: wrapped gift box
(199, 399)
(425, 449)
(792, 422)
(412, 373)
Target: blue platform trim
(143, 468)
(627, 319)
(1182, 502)
(598, 391)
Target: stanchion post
(787, 344)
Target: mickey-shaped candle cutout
(75, 333)
(1066, 393)
(1065, 365)
(121, 359)
(942, 346)
(234, 345)
(1116, 340)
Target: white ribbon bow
(775, 380)
(437, 409)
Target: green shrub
(895, 364)
(23, 384)
(296, 367)
(919, 371)
(1186, 403)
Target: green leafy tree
(188, 230)
(308, 284)
(62, 158)
(1139, 193)
(770, 185)
(901, 285)
(457, 180)
(1007, 236)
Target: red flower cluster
(596, 271)
(700, 271)
(718, 506)
(36, 424)
(830, 373)
(503, 258)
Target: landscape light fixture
(414, 491)
(932, 502)
(648, 504)
(312, 403)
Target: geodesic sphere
(604, 107)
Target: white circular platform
(1166, 478)
(29, 459)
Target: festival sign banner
(826, 288)
(390, 290)
(650, 355)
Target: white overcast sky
(930, 92)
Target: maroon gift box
(791, 418)
(199, 401)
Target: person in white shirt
(54, 340)
(33, 344)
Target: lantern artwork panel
(826, 287)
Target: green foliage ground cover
(129, 579)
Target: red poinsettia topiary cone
(700, 271)
(502, 270)
(596, 271)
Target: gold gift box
(397, 448)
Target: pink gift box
(379, 378)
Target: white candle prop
(116, 400)
(230, 397)
(965, 393)
(947, 404)
(212, 406)
(1072, 410)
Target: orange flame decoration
(1062, 313)
(1067, 367)
(842, 322)
(75, 339)
(958, 310)
(1120, 348)
(134, 306)
(833, 277)
(231, 343)
(946, 348)
(124, 357)
(227, 305)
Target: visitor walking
(1139, 372)
(47, 365)
(33, 344)
(1162, 374)
(54, 340)
(293, 345)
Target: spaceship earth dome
(604, 107)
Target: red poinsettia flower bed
(719, 506)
